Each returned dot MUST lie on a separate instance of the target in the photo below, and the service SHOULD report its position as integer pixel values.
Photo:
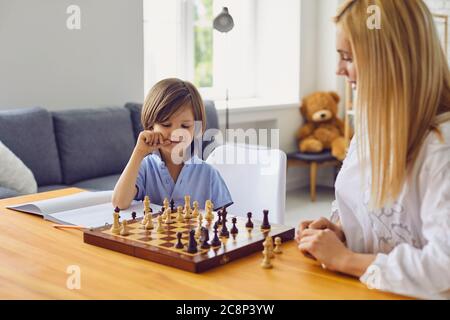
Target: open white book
(87, 209)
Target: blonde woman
(390, 222)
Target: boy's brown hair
(166, 97)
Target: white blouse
(411, 237)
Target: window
(203, 43)
(257, 59)
(180, 41)
(218, 57)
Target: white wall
(43, 63)
(278, 50)
(317, 73)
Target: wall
(43, 63)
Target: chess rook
(265, 225)
(249, 224)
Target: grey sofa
(85, 148)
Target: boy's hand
(149, 141)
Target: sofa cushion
(93, 142)
(212, 119)
(52, 187)
(135, 113)
(7, 193)
(102, 183)
(14, 174)
(28, 133)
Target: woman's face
(346, 66)
(179, 129)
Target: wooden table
(34, 258)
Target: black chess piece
(205, 238)
(249, 224)
(216, 241)
(234, 229)
(224, 231)
(179, 243)
(133, 215)
(265, 225)
(224, 215)
(219, 220)
(172, 206)
(192, 245)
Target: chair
(313, 161)
(256, 178)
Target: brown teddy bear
(322, 129)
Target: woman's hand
(326, 247)
(319, 224)
(149, 141)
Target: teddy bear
(322, 129)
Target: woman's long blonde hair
(403, 85)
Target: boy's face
(179, 129)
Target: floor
(299, 206)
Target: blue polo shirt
(197, 179)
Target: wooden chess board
(160, 247)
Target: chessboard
(164, 246)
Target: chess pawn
(144, 220)
(165, 204)
(125, 231)
(269, 245)
(188, 212)
(159, 227)
(234, 230)
(277, 249)
(180, 217)
(168, 216)
(198, 232)
(195, 212)
(164, 213)
(146, 204)
(187, 206)
(209, 215)
(216, 243)
(208, 204)
(149, 224)
(115, 228)
(249, 224)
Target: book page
(98, 215)
(65, 203)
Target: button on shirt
(197, 179)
